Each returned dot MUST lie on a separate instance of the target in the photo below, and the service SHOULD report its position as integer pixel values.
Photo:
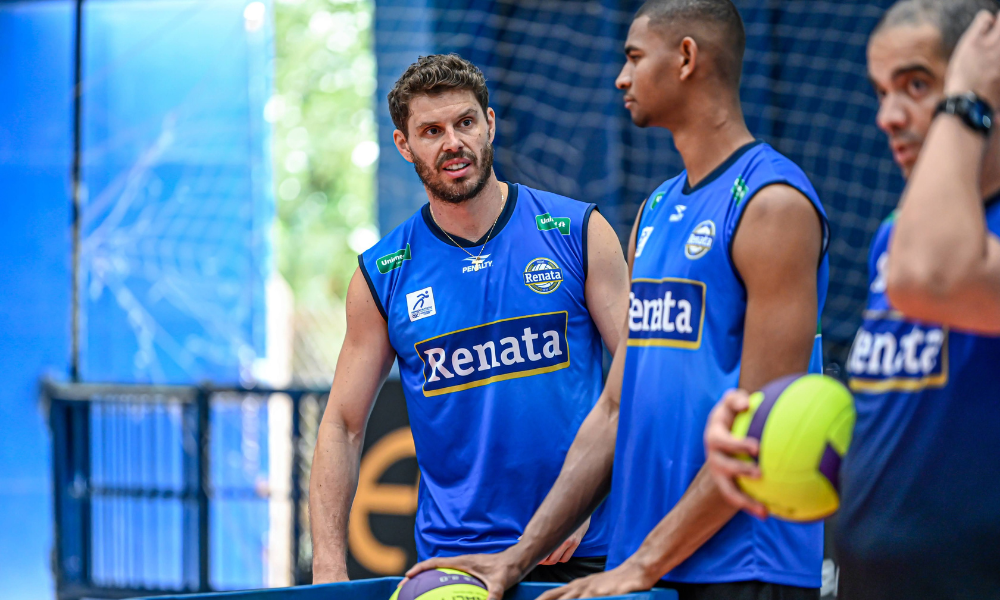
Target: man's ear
(402, 145)
(689, 57)
(491, 122)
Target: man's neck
(473, 218)
(708, 137)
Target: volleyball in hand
(803, 424)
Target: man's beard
(456, 192)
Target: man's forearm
(701, 512)
(582, 485)
(940, 232)
(332, 485)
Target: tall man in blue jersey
(494, 298)
(728, 279)
(920, 495)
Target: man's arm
(944, 265)
(776, 251)
(607, 284)
(365, 360)
(585, 478)
(606, 291)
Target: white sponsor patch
(420, 304)
(643, 238)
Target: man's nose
(451, 142)
(624, 79)
(892, 115)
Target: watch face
(977, 115)
(972, 110)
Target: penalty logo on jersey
(700, 241)
(477, 263)
(543, 275)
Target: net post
(296, 491)
(203, 478)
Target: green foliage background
(325, 149)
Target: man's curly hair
(432, 75)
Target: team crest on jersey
(543, 275)
(477, 263)
(497, 351)
(700, 241)
(891, 354)
(666, 312)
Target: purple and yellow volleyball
(441, 584)
(803, 424)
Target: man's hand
(498, 571)
(975, 64)
(721, 450)
(565, 550)
(626, 578)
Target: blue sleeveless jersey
(920, 485)
(685, 339)
(500, 363)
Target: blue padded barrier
(381, 589)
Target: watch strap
(975, 112)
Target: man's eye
(432, 131)
(918, 87)
(467, 122)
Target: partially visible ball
(441, 584)
(804, 425)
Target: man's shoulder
(767, 166)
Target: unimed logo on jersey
(894, 355)
(666, 312)
(497, 351)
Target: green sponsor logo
(394, 260)
(739, 190)
(656, 200)
(546, 222)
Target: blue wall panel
(36, 79)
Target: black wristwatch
(975, 112)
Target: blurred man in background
(920, 497)
(484, 296)
(729, 277)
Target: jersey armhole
(742, 211)
(371, 287)
(586, 228)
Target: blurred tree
(325, 150)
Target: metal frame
(69, 409)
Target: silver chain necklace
(477, 260)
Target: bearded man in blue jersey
(729, 275)
(920, 496)
(494, 298)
